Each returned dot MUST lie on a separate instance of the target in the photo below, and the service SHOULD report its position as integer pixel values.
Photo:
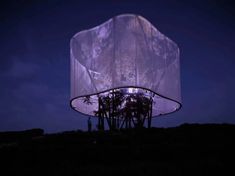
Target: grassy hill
(190, 149)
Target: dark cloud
(21, 70)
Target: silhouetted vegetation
(189, 149)
(122, 109)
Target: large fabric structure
(126, 53)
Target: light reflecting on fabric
(127, 52)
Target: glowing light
(124, 56)
(132, 90)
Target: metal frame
(124, 110)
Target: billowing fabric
(126, 51)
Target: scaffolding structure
(122, 109)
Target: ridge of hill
(190, 149)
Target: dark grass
(190, 149)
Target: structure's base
(125, 108)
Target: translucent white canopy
(128, 52)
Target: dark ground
(189, 149)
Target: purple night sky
(35, 59)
